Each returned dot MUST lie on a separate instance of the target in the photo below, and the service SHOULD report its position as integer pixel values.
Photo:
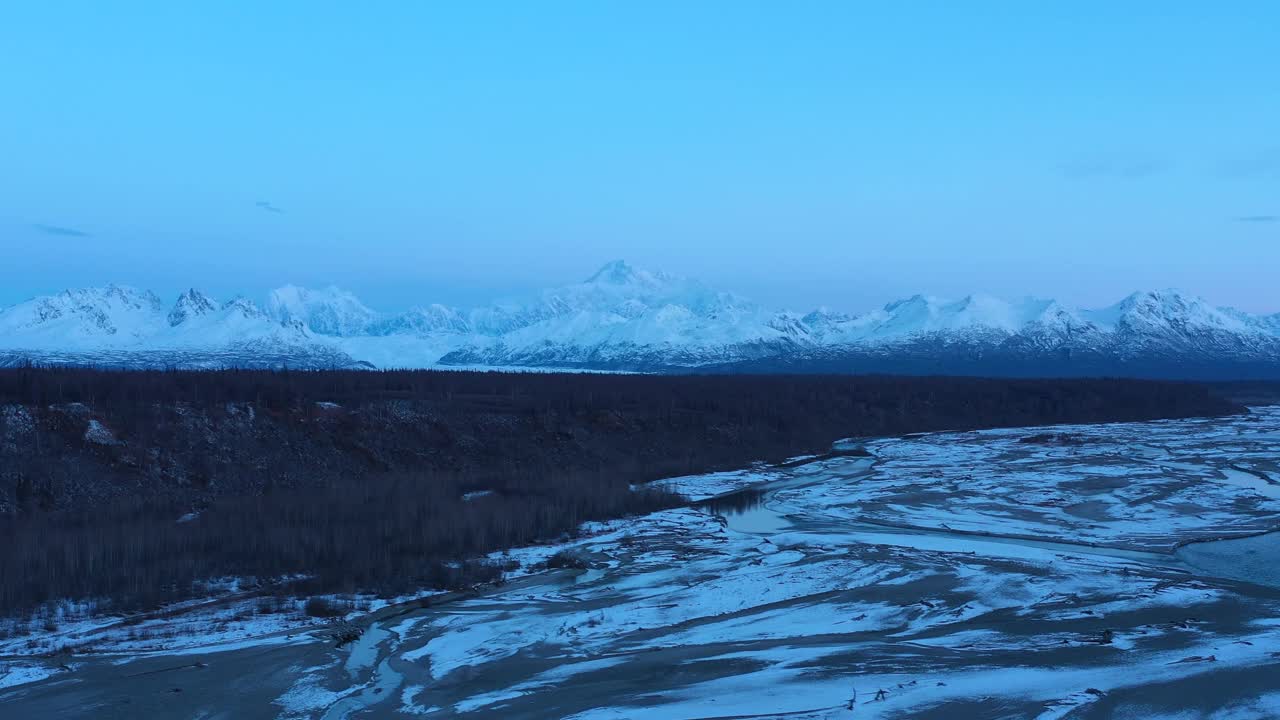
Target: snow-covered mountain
(622, 318)
(329, 312)
(123, 326)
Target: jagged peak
(189, 304)
(243, 306)
(823, 314)
(126, 295)
(617, 272)
(916, 300)
(425, 319)
(620, 272)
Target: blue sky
(837, 153)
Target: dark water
(745, 511)
(736, 502)
(1252, 559)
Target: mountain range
(626, 319)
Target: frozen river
(1071, 572)
(1253, 559)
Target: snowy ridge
(330, 311)
(623, 318)
(125, 327)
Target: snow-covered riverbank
(1012, 573)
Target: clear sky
(800, 153)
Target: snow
(195, 629)
(1242, 479)
(1092, 490)
(117, 318)
(620, 316)
(363, 650)
(308, 696)
(216, 623)
(111, 314)
(408, 705)
(686, 614)
(1038, 577)
(13, 674)
(330, 311)
(190, 304)
(98, 434)
(920, 314)
(1162, 308)
(548, 679)
(702, 487)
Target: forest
(129, 487)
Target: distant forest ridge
(117, 389)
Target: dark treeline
(387, 534)
(1248, 392)
(368, 480)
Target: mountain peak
(916, 300)
(191, 303)
(624, 317)
(620, 272)
(1160, 303)
(125, 296)
(331, 311)
(1147, 297)
(616, 272)
(244, 306)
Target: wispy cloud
(266, 205)
(61, 231)
(1127, 167)
(1264, 163)
(1258, 218)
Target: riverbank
(690, 613)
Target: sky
(801, 154)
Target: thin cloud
(61, 231)
(1127, 168)
(1258, 218)
(266, 205)
(1262, 164)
